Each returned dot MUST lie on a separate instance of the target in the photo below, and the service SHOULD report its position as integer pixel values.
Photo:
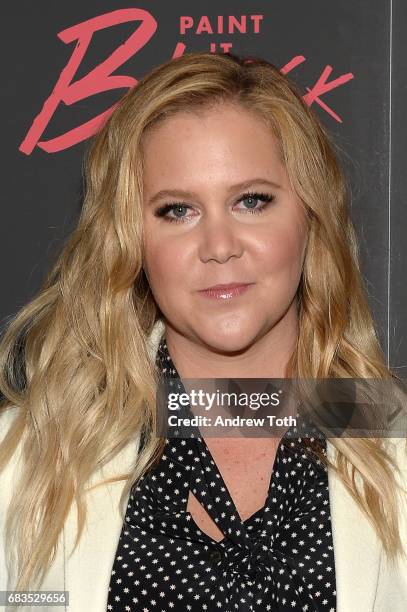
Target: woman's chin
(228, 341)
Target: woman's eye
(178, 210)
(254, 203)
(252, 200)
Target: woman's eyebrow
(181, 193)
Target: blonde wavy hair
(76, 359)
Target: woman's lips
(225, 292)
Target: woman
(211, 171)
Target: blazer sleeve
(7, 480)
(391, 591)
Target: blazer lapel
(357, 549)
(88, 571)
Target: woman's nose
(220, 238)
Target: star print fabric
(280, 558)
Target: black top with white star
(280, 558)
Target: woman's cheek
(280, 251)
(166, 272)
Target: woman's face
(215, 234)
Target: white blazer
(365, 580)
